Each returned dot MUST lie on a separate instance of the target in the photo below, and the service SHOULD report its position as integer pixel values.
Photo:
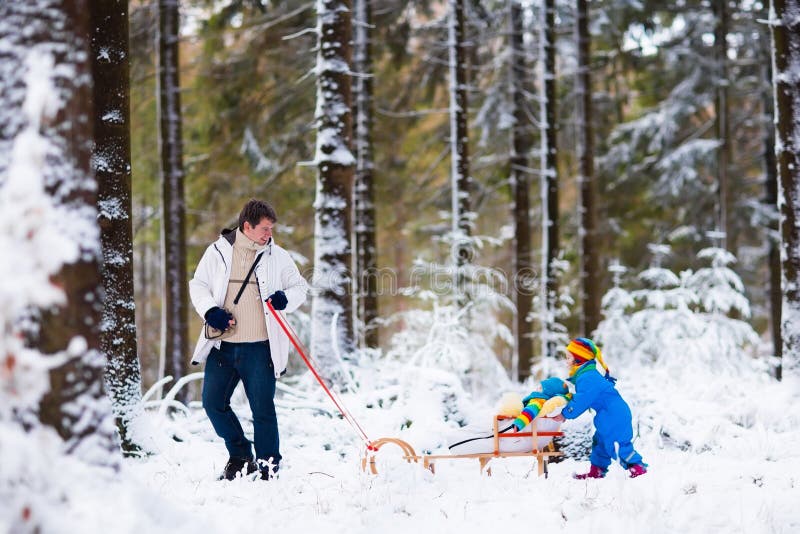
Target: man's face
(259, 233)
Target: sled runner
(537, 442)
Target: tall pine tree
(461, 182)
(53, 297)
(590, 260)
(785, 25)
(175, 316)
(366, 272)
(548, 116)
(521, 144)
(111, 162)
(331, 308)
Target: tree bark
(723, 153)
(46, 179)
(549, 178)
(521, 144)
(332, 319)
(785, 26)
(173, 219)
(590, 261)
(111, 163)
(366, 244)
(459, 148)
(771, 201)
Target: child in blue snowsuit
(613, 428)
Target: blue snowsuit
(612, 420)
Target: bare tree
(461, 182)
(47, 189)
(549, 179)
(721, 122)
(111, 162)
(590, 260)
(785, 26)
(364, 202)
(521, 144)
(331, 309)
(175, 316)
(771, 204)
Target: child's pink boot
(594, 472)
(637, 470)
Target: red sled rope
(292, 335)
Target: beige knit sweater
(249, 313)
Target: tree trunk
(549, 178)
(785, 57)
(590, 261)
(459, 153)
(521, 144)
(332, 319)
(173, 231)
(725, 222)
(48, 192)
(112, 166)
(365, 242)
(771, 201)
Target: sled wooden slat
(428, 460)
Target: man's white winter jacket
(275, 271)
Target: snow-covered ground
(723, 452)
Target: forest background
(248, 99)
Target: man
(238, 273)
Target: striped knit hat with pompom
(584, 349)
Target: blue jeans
(251, 363)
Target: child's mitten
(510, 405)
(552, 404)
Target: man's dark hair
(254, 211)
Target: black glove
(278, 300)
(218, 318)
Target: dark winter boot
(594, 472)
(267, 470)
(637, 470)
(237, 467)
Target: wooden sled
(428, 460)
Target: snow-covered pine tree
(683, 322)
(785, 24)
(668, 149)
(111, 162)
(663, 322)
(366, 271)
(174, 336)
(614, 333)
(51, 295)
(722, 305)
(449, 336)
(331, 308)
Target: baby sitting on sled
(552, 396)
